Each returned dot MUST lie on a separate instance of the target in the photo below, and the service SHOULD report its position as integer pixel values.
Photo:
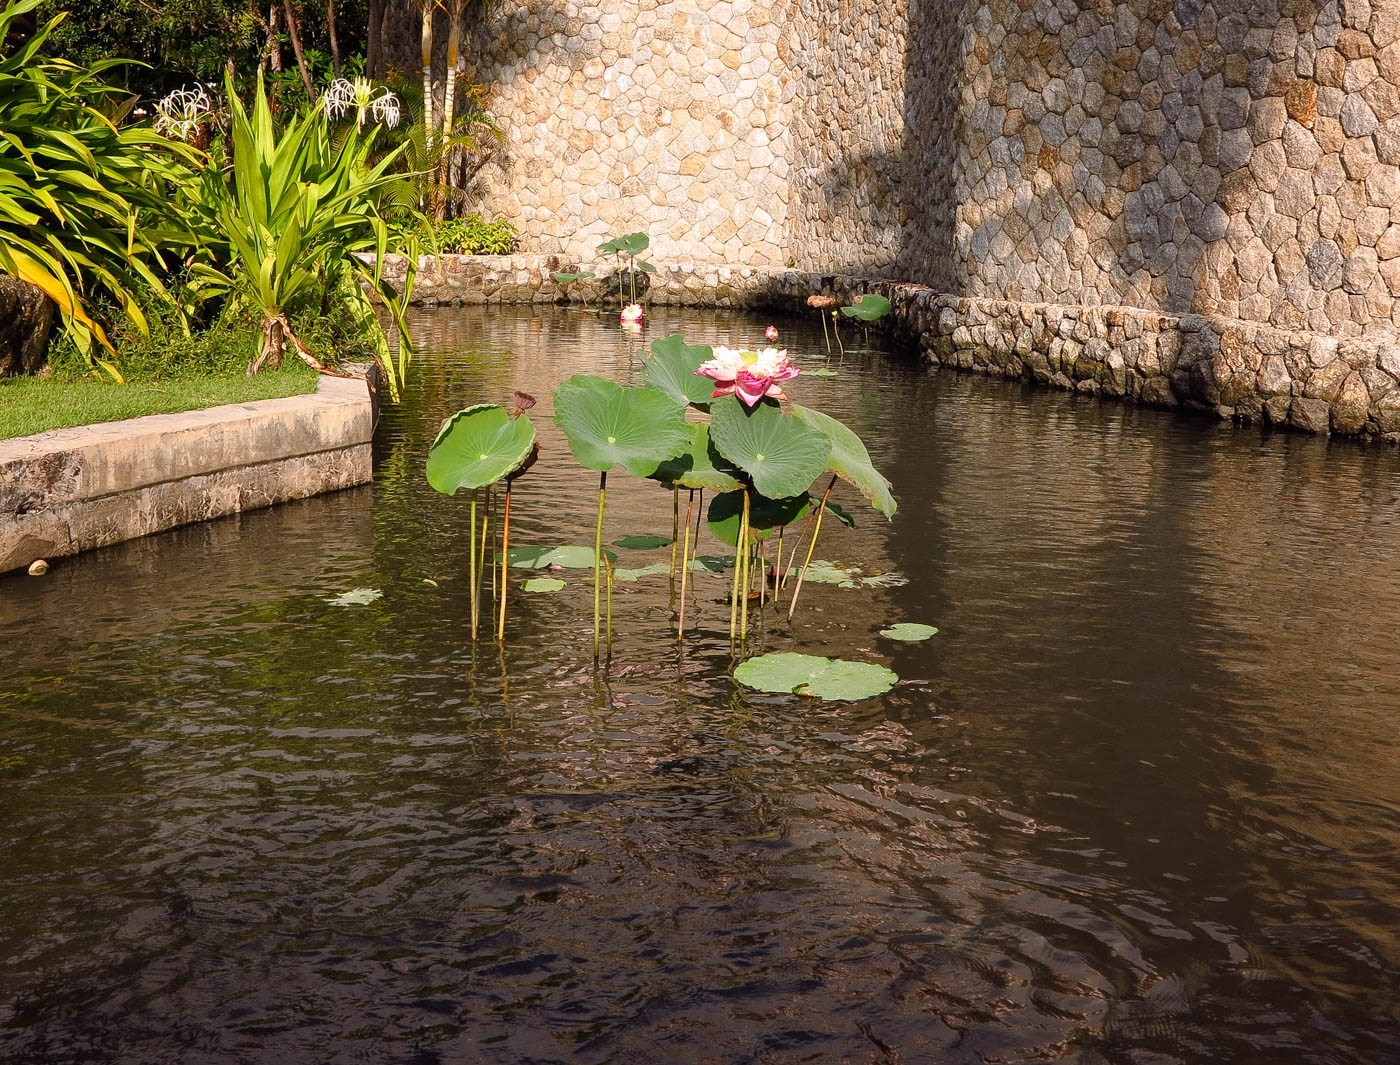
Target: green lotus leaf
(479, 446)
(542, 584)
(656, 569)
(869, 308)
(711, 563)
(821, 371)
(910, 631)
(631, 244)
(644, 266)
(766, 515)
(700, 465)
(781, 454)
(608, 425)
(569, 279)
(849, 459)
(644, 542)
(837, 511)
(569, 557)
(356, 597)
(822, 678)
(671, 369)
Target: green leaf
(671, 369)
(643, 542)
(609, 426)
(356, 597)
(542, 584)
(568, 557)
(569, 279)
(711, 563)
(700, 465)
(781, 454)
(634, 243)
(909, 631)
(765, 515)
(849, 459)
(656, 569)
(868, 308)
(822, 678)
(821, 371)
(479, 446)
(644, 266)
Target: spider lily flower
(180, 114)
(771, 333)
(750, 375)
(632, 314)
(338, 97)
(385, 108)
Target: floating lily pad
(608, 425)
(542, 584)
(766, 515)
(356, 597)
(700, 465)
(822, 572)
(711, 563)
(479, 446)
(868, 308)
(782, 454)
(821, 371)
(656, 569)
(671, 369)
(812, 675)
(643, 542)
(910, 631)
(849, 459)
(570, 556)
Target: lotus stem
(485, 539)
(676, 524)
(811, 548)
(778, 565)
(825, 334)
(685, 565)
(748, 572)
(734, 592)
(835, 328)
(801, 538)
(608, 568)
(505, 555)
(762, 573)
(597, 558)
(471, 572)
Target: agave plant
(288, 215)
(86, 207)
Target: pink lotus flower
(771, 333)
(632, 314)
(750, 375)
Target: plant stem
(685, 565)
(471, 574)
(676, 524)
(778, 565)
(825, 335)
(608, 566)
(835, 328)
(505, 555)
(597, 558)
(734, 592)
(748, 575)
(811, 548)
(481, 559)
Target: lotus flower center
(749, 357)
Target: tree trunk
(296, 47)
(274, 42)
(27, 318)
(426, 7)
(449, 103)
(330, 30)
(374, 41)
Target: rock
(38, 568)
(1310, 415)
(1349, 409)
(27, 318)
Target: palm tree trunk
(374, 41)
(330, 30)
(296, 47)
(274, 42)
(449, 101)
(426, 8)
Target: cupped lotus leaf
(656, 569)
(849, 460)
(608, 425)
(780, 453)
(812, 675)
(478, 446)
(910, 632)
(542, 584)
(869, 308)
(671, 369)
(631, 244)
(571, 556)
(700, 465)
(766, 515)
(643, 542)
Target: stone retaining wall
(71, 490)
(1219, 366)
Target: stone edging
(1226, 367)
(70, 490)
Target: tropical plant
(287, 217)
(86, 209)
(472, 235)
(631, 245)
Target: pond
(1138, 801)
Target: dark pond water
(1139, 802)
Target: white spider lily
(180, 114)
(386, 109)
(338, 97)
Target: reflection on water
(1136, 803)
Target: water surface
(1137, 803)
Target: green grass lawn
(34, 404)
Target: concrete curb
(71, 490)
